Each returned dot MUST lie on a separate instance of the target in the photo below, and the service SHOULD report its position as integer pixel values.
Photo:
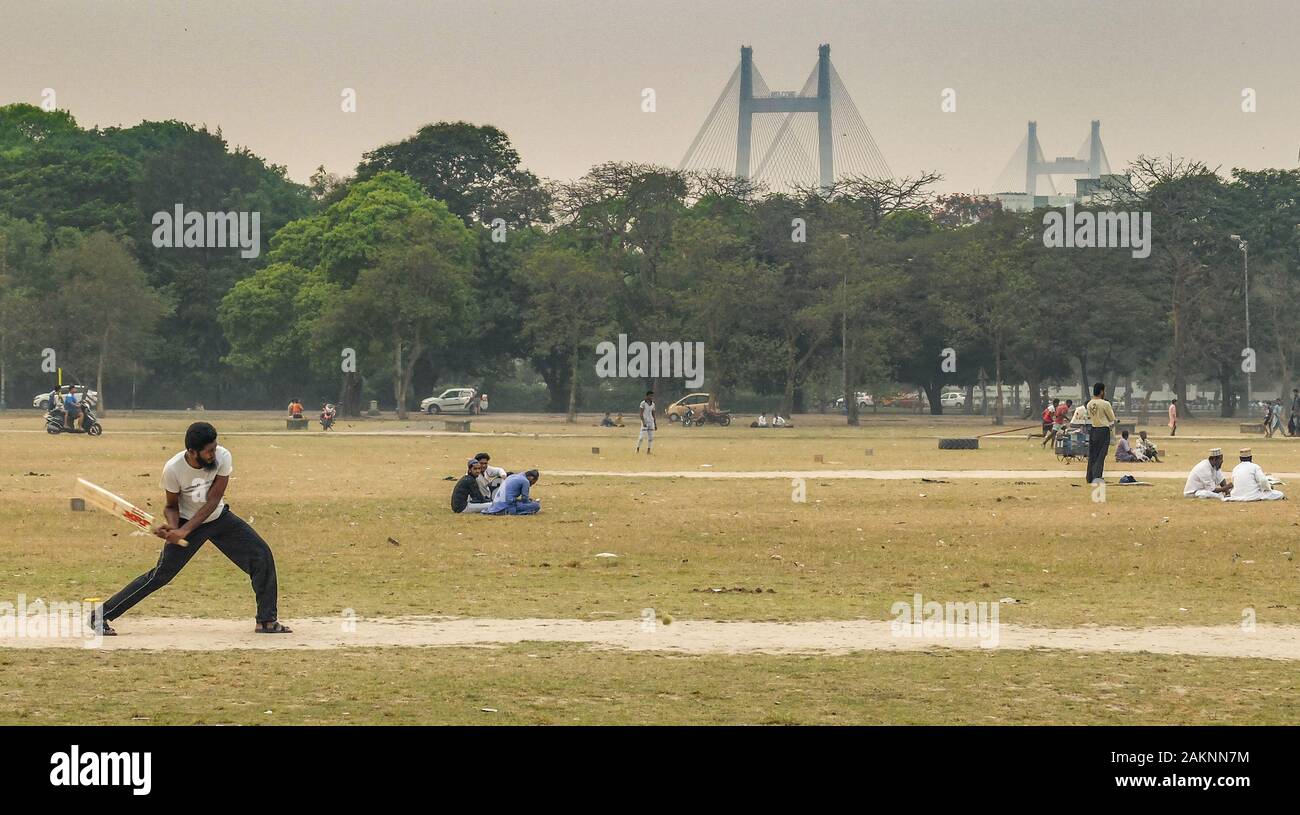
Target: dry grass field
(330, 505)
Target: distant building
(1086, 191)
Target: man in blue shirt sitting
(513, 498)
(71, 410)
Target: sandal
(100, 626)
(273, 627)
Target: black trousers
(236, 540)
(1098, 447)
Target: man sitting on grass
(490, 478)
(1249, 483)
(513, 499)
(1145, 448)
(1206, 478)
(1124, 451)
(467, 495)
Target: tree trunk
(997, 359)
(99, 375)
(408, 374)
(1227, 390)
(573, 390)
(1283, 361)
(1084, 391)
(398, 396)
(1180, 381)
(1035, 390)
(968, 409)
(350, 395)
(850, 396)
(555, 373)
(787, 392)
(933, 392)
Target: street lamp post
(1245, 257)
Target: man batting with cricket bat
(195, 482)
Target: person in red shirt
(1049, 419)
(1063, 412)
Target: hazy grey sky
(564, 79)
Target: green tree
(472, 169)
(568, 306)
(415, 298)
(109, 307)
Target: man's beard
(205, 464)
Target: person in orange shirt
(295, 409)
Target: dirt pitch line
(826, 637)
(1075, 472)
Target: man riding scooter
(72, 414)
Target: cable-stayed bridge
(1030, 172)
(786, 140)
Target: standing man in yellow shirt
(1101, 418)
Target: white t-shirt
(490, 481)
(193, 485)
(647, 415)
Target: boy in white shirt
(490, 479)
(647, 411)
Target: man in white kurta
(647, 411)
(1206, 478)
(1249, 483)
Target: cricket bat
(101, 498)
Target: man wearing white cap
(1249, 483)
(1206, 478)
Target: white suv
(452, 400)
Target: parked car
(42, 400)
(677, 409)
(954, 399)
(865, 400)
(911, 399)
(452, 400)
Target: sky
(565, 78)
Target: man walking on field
(195, 481)
(647, 410)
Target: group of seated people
(1143, 450)
(608, 422)
(1248, 482)
(776, 421)
(489, 490)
